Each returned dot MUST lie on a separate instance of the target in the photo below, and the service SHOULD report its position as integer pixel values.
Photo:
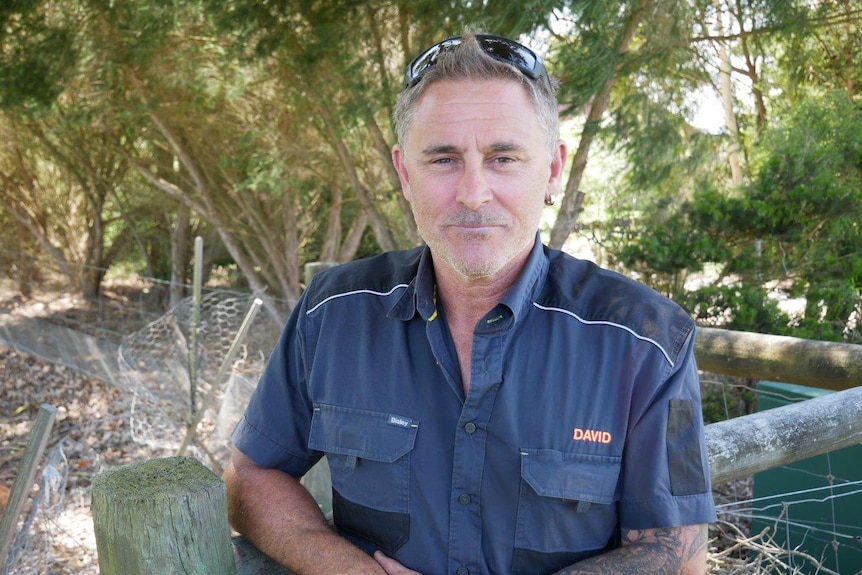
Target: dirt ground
(91, 427)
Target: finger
(391, 566)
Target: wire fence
(802, 519)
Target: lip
(473, 228)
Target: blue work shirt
(582, 417)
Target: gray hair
(467, 61)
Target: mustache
(474, 218)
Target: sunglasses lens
(426, 60)
(502, 49)
(520, 57)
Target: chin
(476, 268)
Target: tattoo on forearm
(647, 552)
(699, 543)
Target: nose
(474, 189)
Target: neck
(468, 299)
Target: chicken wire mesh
(155, 360)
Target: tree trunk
(291, 243)
(55, 253)
(392, 176)
(756, 91)
(332, 234)
(93, 270)
(572, 200)
(726, 88)
(354, 237)
(378, 224)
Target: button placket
(469, 456)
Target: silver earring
(549, 200)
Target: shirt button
(464, 499)
(470, 428)
(462, 571)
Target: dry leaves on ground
(92, 431)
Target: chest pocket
(566, 509)
(368, 453)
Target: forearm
(278, 516)
(671, 551)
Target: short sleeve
(274, 430)
(665, 468)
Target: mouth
(473, 221)
(473, 230)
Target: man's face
(475, 168)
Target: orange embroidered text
(593, 435)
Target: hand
(391, 566)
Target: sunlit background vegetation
(718, 143)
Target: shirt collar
(529, 284)
(421, 295)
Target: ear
(558, 163)
(399, 160)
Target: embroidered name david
(594, 435)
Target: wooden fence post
(24, 480)
(311, 268)
(165, 515)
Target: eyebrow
(450, 149)
(441, 149)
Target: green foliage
(37, 53)
(267, 120)
(795, 229)
(722, 402)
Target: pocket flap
(365, 434)
(572, 476)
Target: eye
(503, 160)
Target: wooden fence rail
(827, 365)
(745, 445)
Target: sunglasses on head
(497, 47)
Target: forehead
(460, 108)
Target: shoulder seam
(355, 292)
(609, 323)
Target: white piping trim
(345, 294)
(612, 324)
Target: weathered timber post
(24, 480)
(311, 268)
(823, 364)
(162, 516)
(745, 445)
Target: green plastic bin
(814, 505)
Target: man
(487, 405)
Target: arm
(278, 516)
(672, 550)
